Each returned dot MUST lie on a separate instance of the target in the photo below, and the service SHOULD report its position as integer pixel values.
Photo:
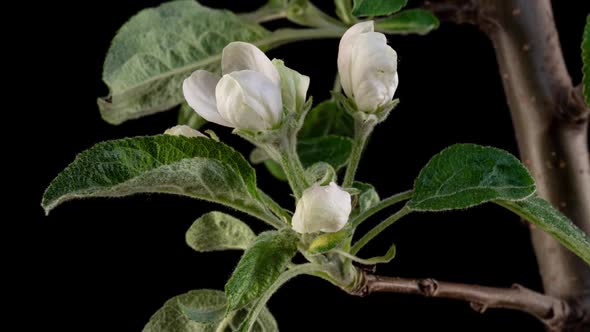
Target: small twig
(554, 312)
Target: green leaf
(260, 266)
(219, 231)
(418, 21)
(275, 169)
(334, 150)
(247, 323)
(265, 322)
(205, 315)
(366, 199)
(586, 60)
(202, 311)
(195, 167)
(377, 7)
(187, 116)
(327, 119)
(465, 175)
(170, 317)
(158, 48)
(540, 213)
(388, 257)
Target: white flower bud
(367, 67)
(322, 208)
(183, 130)
(248, 96)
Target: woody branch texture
(551, 126)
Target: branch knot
(428, 287)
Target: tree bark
(552, 311)
(550, 120)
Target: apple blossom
(247, 96)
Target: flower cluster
(255, 94)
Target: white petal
(374, 65)
(239, 56)
(372, 94)
(298, 221)
(340, 206)
(249, 100)
(345, 53)
(199, 92)
(183, 130)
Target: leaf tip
(105, 107)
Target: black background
(108, 264)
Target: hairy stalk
(285, 36)
(389, 201)
(264, 14)
(343, 10)
(308, 268)
(378, 229)
(292, 166)
(361, 134)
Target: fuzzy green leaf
(265, 322)
(195, 167)
(334, 150)
(327, 119)
(366, 199)
(158, 48)
(219, 231)
(540, 213)
(586, 61)
(465, 175)
(260, 266)
(170, 318)
(275, 169)
(377, 7)
(201, 311)
(418, 21)
(388, 257)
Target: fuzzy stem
(378, 229)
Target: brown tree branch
(550, 120)
(554, 312)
